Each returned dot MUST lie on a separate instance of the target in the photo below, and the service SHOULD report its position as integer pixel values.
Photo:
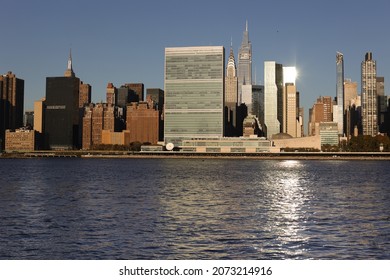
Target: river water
(194, 209)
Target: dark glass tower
(62, 115)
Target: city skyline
(124, 42)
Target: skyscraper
(382, 104)
(350, 92)
(273, 81)
(62, 111)
(231, 96)
(321, 112)
(39, 115)
(194, 93)
(11, 103)
(244, 71)
(138, 89)
(291, 109)
(369, 96)
(231, 81)
(340, 91)
(290, 102)
(157, 96)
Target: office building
(354, 117)
(137, 89)
(382, 105)
(329, 133)
(142, 123)
(273, 89)
(320, 112)
(350, 92)
(194, 93)
(380, 86)
(291, 110)
(244, 70)
(11, 103)
(258, 101)
(62, 115)
(369, 96)
(39, 115)
(301, 121)
(125, 96)
(246, 97)
(340, 92)
(289, 103)
(156, 95)
(28, 119)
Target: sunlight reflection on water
(193, 209)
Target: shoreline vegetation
(102, 154)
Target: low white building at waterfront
(251, 144)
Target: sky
(123, 41)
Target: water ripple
(193, 209)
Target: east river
(61, 208)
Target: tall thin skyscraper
(194, 93)
(340, 91)
(369, 96)
(273, 80)
(244, 71)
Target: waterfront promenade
(178, 154)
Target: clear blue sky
(124, 41)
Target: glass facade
(62, 113)
(194, 93)
(329, 133)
